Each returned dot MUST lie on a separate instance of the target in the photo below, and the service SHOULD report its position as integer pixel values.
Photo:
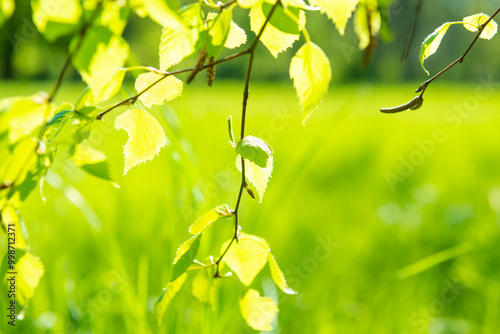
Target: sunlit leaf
(274, 39)
(55, 18)
(278, 276)
(29, 270)
(311, 74)
(339, 11)
(236, 37)
(474, 23)
(247, 257)
(146, 136)
(26, 116)
(258, 311)
(158, 10)
(82, 122)
(255, 150)
(219, 26)
(168, 294)
(248, 3)
(61, 115)
(431, 43)
(204, 287)
(208, 218)
(185, 255)
(167, 89)
(16, 163)
(365, 29)
(92, 161)
(256, 176)
(11, 218)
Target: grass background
(419, 255)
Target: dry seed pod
(413, 104)
(211, 71)
(199, 65)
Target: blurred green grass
(339, 230)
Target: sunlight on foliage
(29, 271)
(255, 150)
(55, 18)
(167, 89)
(258, 311)
(431, 43)
(26, 116)
(210, 217)
(168, 294)
(311, 74)
(204, 287)
(339, 11)
(11, 217)
(236, 37)
(256, 176)
(185, 256)
(278, 276)
(474, 22)
(220, 25)
(92, 161)
(146, 136)
(176, 43)
(364, 29)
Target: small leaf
(62, 114)
(338, 11)
(29, 270)
(258, 311)
(208, 218)
(311, 74)
(256, 176)
(474, 23)
(185, 256)
(255, 150)
(247, 257)
(168, 294)
(248, 3)
(92, 161)
(167, 89)
(146, 136)
(236, 36)
(10, 216)
(278, 276)
(366, 29)
(431, 43)
(218, 32)
(204, 287)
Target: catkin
(211, 71)
(199, 65)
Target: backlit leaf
(247, 257)
(474, 22)
(55, 18)
(11, 217)
(146, 136)
(167, 89)
(29, 271)
(92, 161)
(431, 43)
(248, 3)
(339, 11)
(255, 150)
(256, 176)
(185, 255)
(363, 29)
(236, 37)
(208, 218)
(168, 294)
(204, 287)
(26, 116)
(61, 116)
(278, 276)
(311, 74)
(219, 26)
(258, 311)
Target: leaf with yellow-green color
(146, 136)
(208, 218)
(55, 18)
(204, 287)
(6, 10)
(236, 36)
(61, 116)
(247, 257)
(10, 218)
(29, 270)
(274, 39)
(26, 116)
(311, 74)
(18, 161)
(185, 255)
(258, 311)
(339, 11)
(168, 294)
(365, 29)
(431, 43)
(219, 27)
(255, 150)
(157, 10)
(256, 176)
(278, 276)
(248, 3)
(92, 161)
(167, 88)
(474, 23)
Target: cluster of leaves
(29, 126)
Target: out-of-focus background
(382, 223)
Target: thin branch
(81, 36)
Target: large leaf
(167, 89)
(204, 287)
(474, 23)
(185, 255)
(210, 217)
(236, 36)
(168, 294)
(54, 18)
(431, 43)
(256, 176)
(219, 27)
(311, 74)
(258, 311)
(255, 150)
(247, 257)
(339, 11)
(146, 136)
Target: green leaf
(25, 116)
(17, 161)
(146, 136)
(55, 18)
(258, 311)
(247, 257)
(82, 122)
(157, 10)
(62, 114)
(236, 36)
(204, 287)
(92, 161)
(248, 3)
(311, 74)
(274, 39)
(278, 276)
(218, 32)
(168, 294)
(338, 11)
(474, 22)
(431, 43)
(185, 255)
(255, 150)
(256, 176)
(283, 21)
(10, 216)
(210, 217)
(365, 29)
(167, 89)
